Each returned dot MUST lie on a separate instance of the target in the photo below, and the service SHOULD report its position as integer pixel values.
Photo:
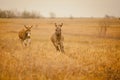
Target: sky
(65, 8)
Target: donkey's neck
(26, 35)
(58, 37)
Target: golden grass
(86, 57)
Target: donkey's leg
(56, 46)
(62, 47)
(28, 42)
(25, 43)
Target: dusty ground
(87, 56)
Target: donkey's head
(58, 29)
(28, 30)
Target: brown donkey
(25, 35)
(57, 38)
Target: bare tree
(10, 14)
(2, 14)
(104, 24)
(52, 15)
(25, 14)
(71, 17)
(7, 14)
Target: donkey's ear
(25, 26)
(55, 25)
(61, 25)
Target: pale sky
(65, 8)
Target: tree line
(17, 14)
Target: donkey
(57, 38)
(25, 35)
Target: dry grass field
(87, 56)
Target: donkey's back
(22, 34)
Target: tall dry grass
(86, 57)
